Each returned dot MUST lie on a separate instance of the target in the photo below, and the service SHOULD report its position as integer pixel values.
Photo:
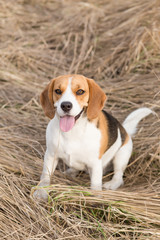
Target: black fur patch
(113, 126)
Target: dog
(82, 134)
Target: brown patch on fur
(93, 97)
(95, 121)
(48, 97)
(103, 126)
(97, 99)
(109, 126)
(125, 141)
(47, 101)
(124, 134)
(61, 83)
(80, 82)
(113, 126)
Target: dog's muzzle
(67, 122)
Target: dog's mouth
(67, 122)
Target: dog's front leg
(50, 163)
(96, 173)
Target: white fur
(110, 153)
(131, 122)
(79, 153)
(79, 148)
(122, 156)
(120, 162)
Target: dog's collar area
(78, 116)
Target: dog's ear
(97, 99)
(46, 99)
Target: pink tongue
(67, 123)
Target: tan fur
(95, 121)
(102, 124)
(48, 97)
(46, 100)
(80, 82)
(61, 83)
(126, 139)
(97, 99)
(93, 97)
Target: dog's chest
(80, 146)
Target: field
(117, 43)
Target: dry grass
(115, 42)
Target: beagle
(82, 134)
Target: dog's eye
(80, 92)
(58, 91)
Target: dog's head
(69, 96)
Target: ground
(117, 44)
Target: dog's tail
(131, 122)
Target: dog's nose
(66, 106)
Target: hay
(116, 43)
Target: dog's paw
(113, 184)
(40, 195)
(96, 188)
